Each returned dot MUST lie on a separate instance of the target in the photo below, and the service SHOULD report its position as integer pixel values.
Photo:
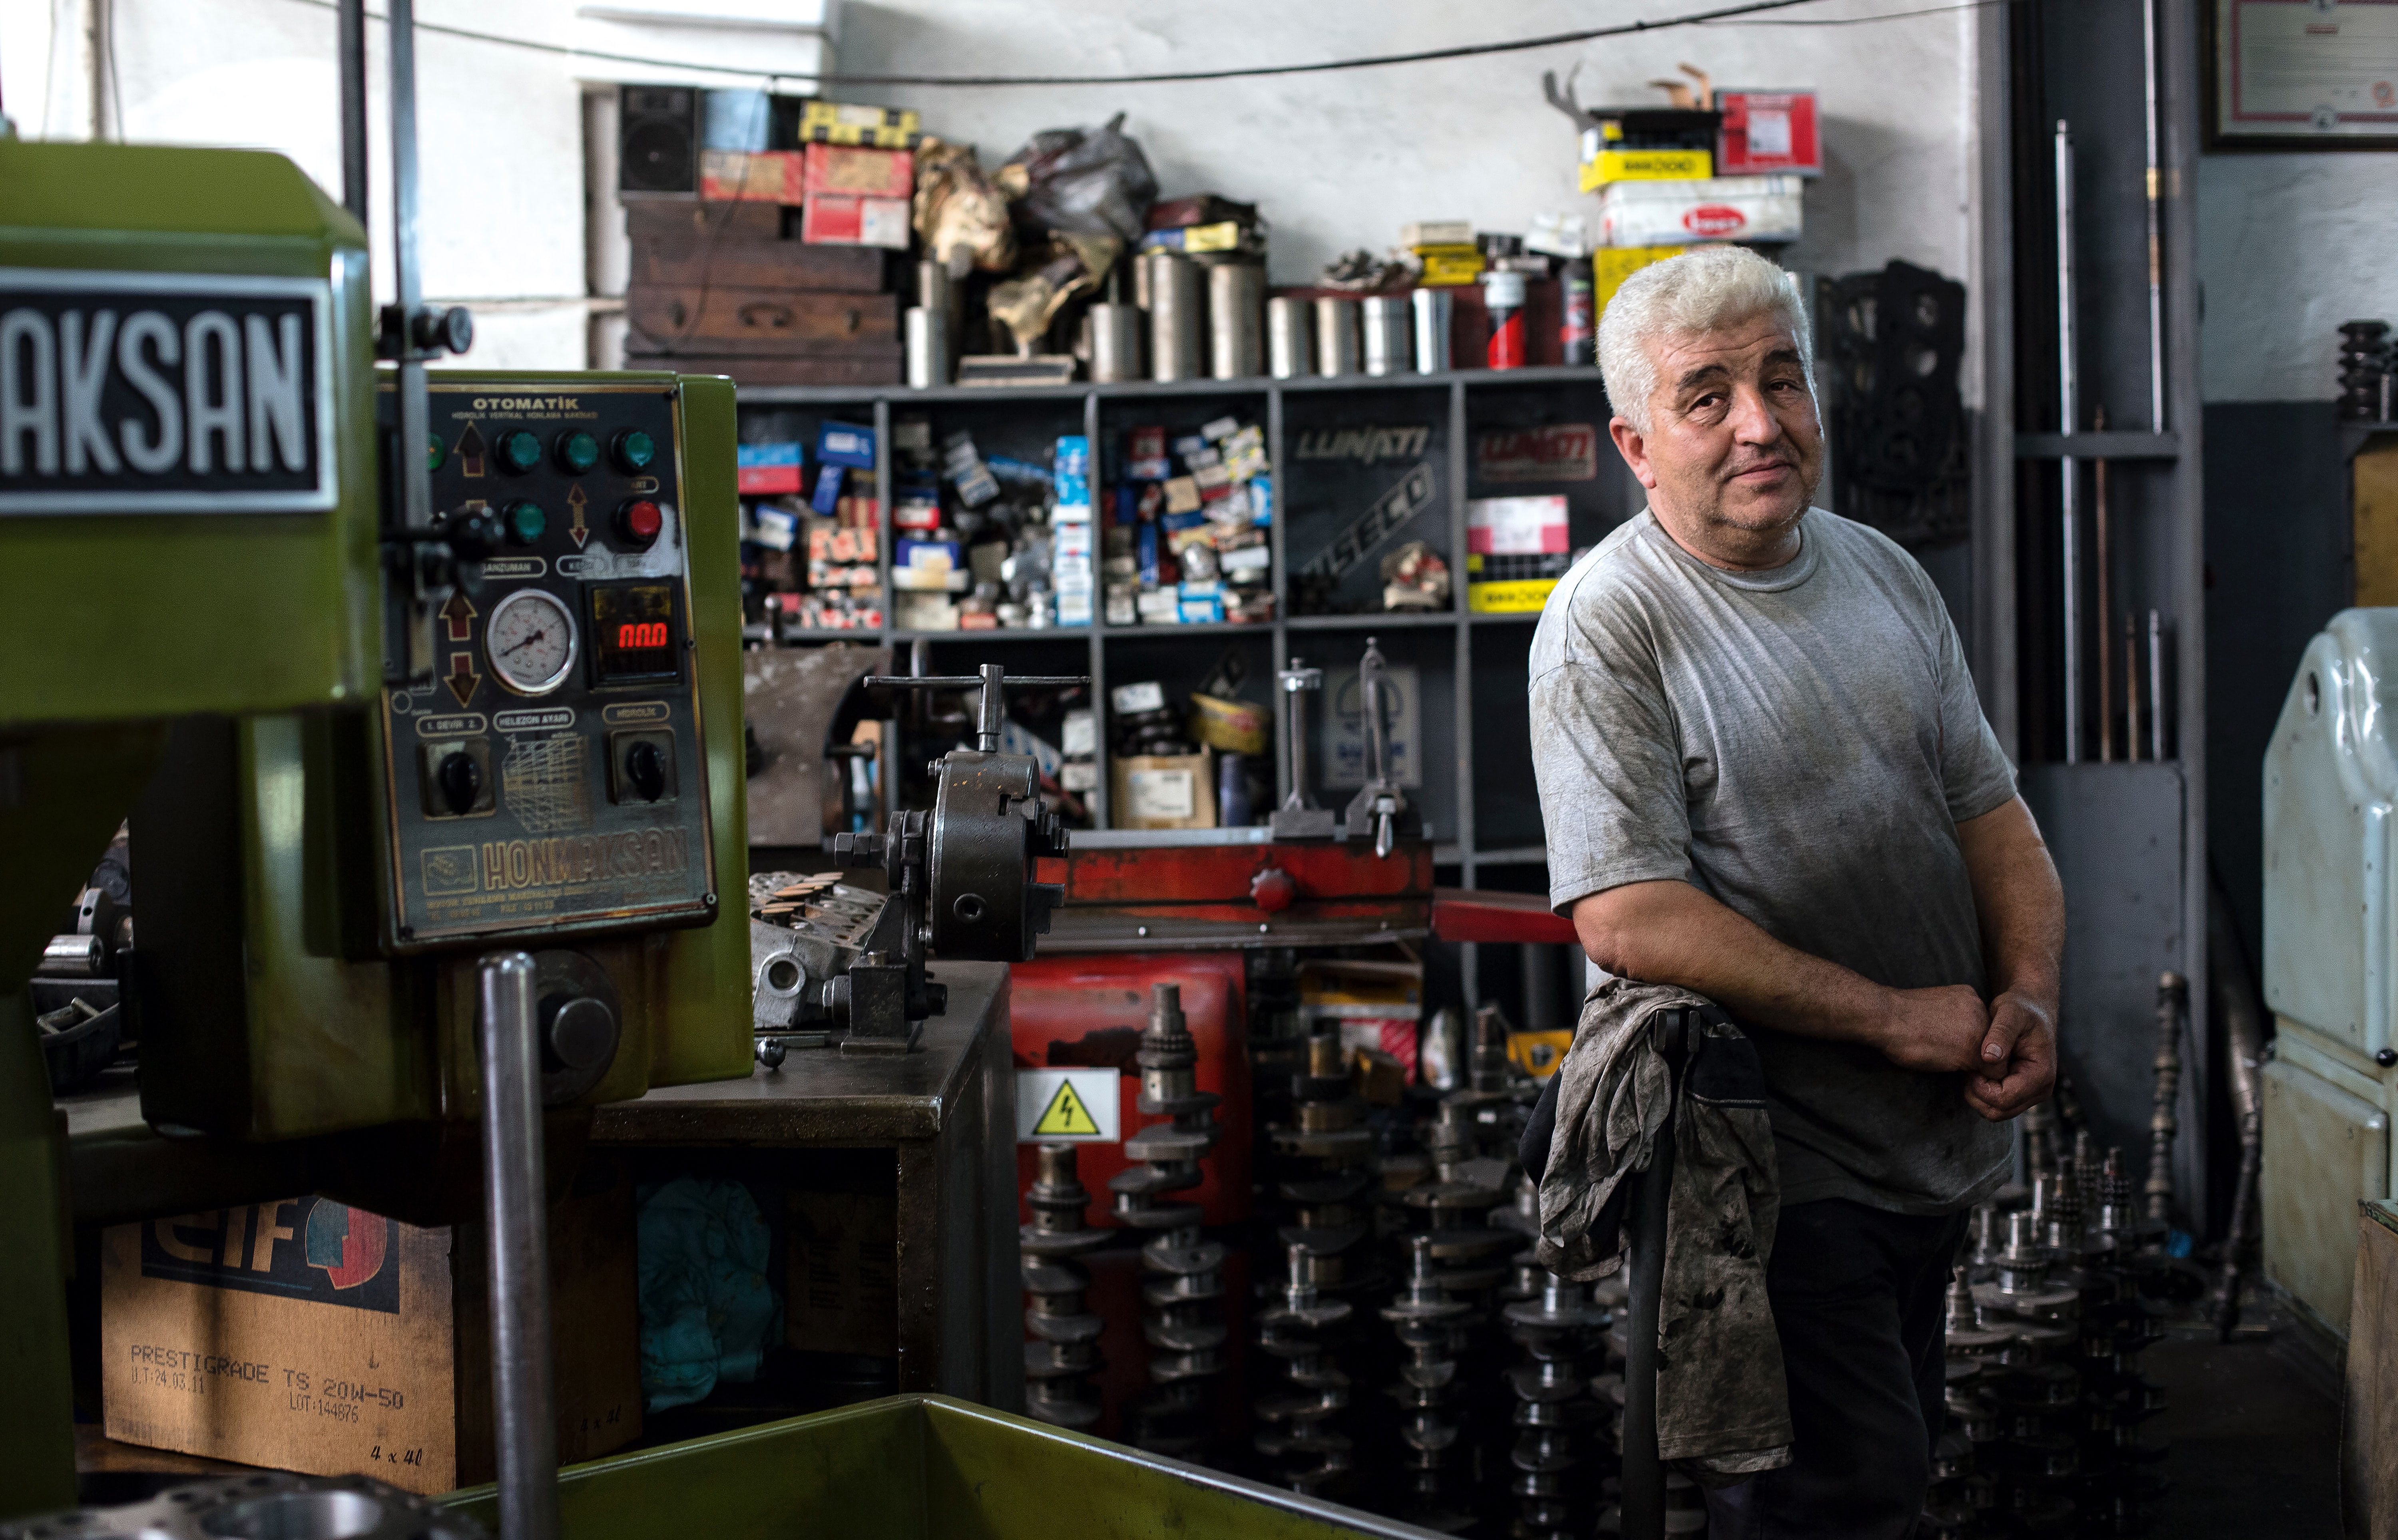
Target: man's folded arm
(1670, 932)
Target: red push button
(637, 523)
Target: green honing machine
(362, 747)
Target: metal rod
(2156, 686)
(1296, 681)
(2106, 602)
(1644, 1473)
(415, 476)
(2173, 1000)
(95, 42)
(524, 1418)
(972, 681)
(2156, 220)
(2131, 688)
(352, 53)
(2068, 418)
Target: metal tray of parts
(916, 1467)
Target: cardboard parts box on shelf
(1165, 791)
(308, 1335)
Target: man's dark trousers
(1858, 1298)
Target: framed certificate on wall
(2287, 74)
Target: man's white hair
(1699, 292)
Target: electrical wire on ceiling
(1859, 20)
(1737, 14)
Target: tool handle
(1644, 1472)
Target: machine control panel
(551, 778)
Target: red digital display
(634, 632)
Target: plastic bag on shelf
(1081, 182)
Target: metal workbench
(947, 1112)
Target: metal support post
(351, 55)
(2068, 421)
(408, 281)
(2156, 219)
(524, 1418)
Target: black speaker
(657, 140)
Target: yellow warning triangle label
(1065, 1116)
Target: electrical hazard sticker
(1083, 1105)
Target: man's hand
(1936, 1031)
(2018, 1058)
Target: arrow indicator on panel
(460, 617)
(574, 501)
(463, 679)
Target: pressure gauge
(530, 640)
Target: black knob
(431, 331)
(473, 533)
(647, 771)
(444, 329)
(461, 780)
(578, 1032)
(2387, 1057)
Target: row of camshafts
(2048, 1315)
(1405, 1354)
(1401, 1352)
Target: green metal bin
(917, 1467)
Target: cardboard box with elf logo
(308, 1335)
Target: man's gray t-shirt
(1800, 744)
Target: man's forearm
(1670, 932)
(2019, 901)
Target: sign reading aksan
(163, 392)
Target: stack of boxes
(810, 544)
(856, 196)
(1445, 250)
(1205, 225)
(1190, 541)
(1516, 548)
(775, 274)
(1668, 178)
(1069, 524)
(1012, 549)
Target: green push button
(526, 522)
(577, 452)
(519, 451)
(436, 456)
(634, 449)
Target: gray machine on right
(2331, 785)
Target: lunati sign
(1367, 445)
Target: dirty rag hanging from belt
(1723, 1414)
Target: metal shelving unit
(2131, 837)
(1464, 772)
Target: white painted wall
(2290, 246)
(1337, 160)
(1342, 160)
(499, 129)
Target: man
(1765, 779)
